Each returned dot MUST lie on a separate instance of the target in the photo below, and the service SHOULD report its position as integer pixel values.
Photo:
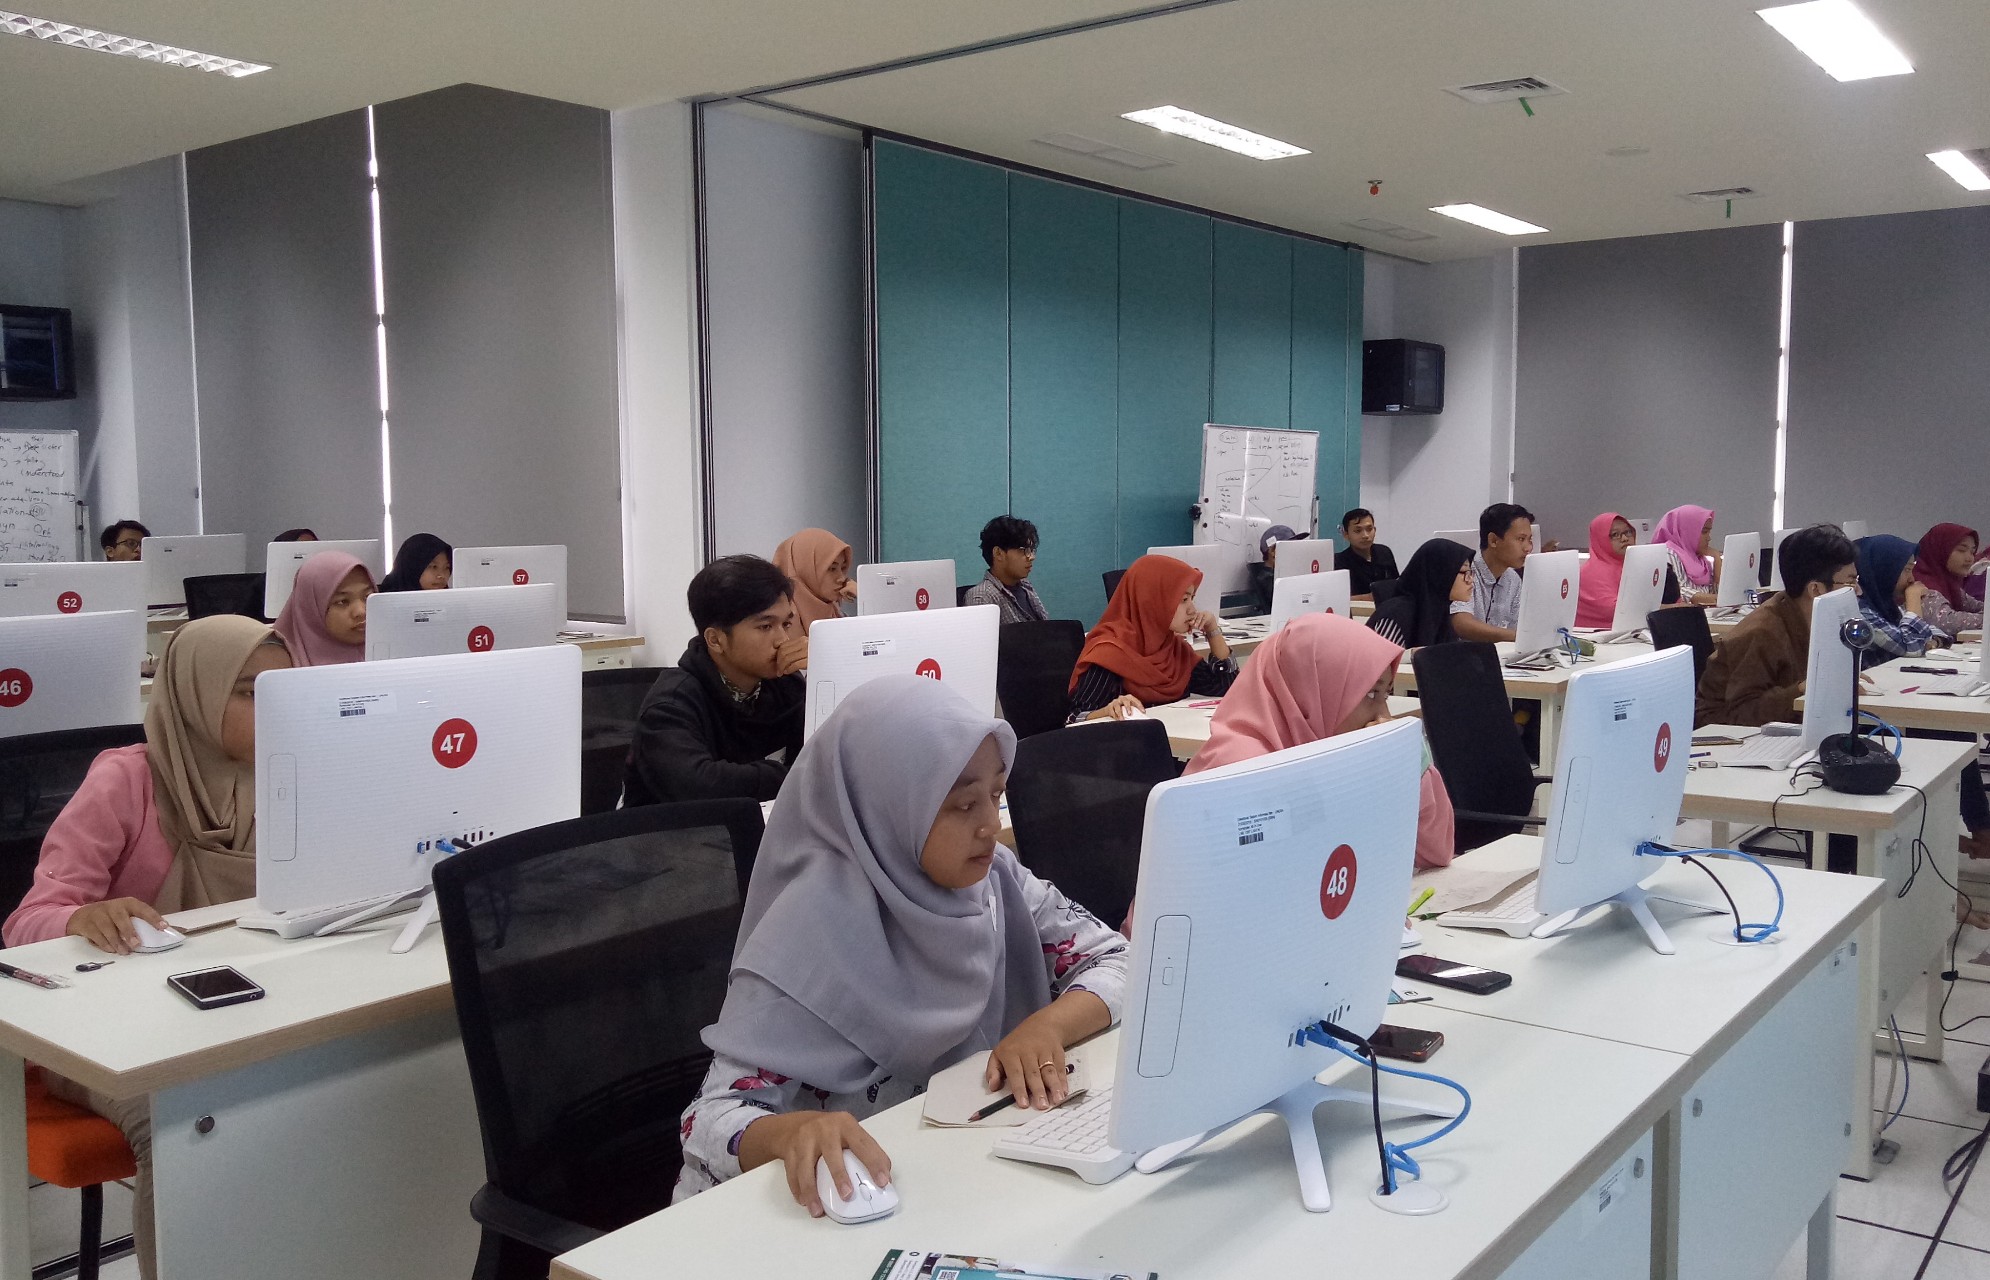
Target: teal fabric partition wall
(1052, 350)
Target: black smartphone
(212, 988)
(1406, 1043)
(1449, 973)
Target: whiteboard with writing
(39, 479)
(1253, 478)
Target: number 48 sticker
(455, 742)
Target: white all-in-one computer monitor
(1550, 590)
(284, 559)
(1309, 593)
(1640, 590)
(1303, 556)
(1856, 529)
(954, 646)
(907, 586)
(61, 671)
(1222, 565)
(72, 586)
(1741, 569)
(170, 561)
(426, 624)
(512, 567)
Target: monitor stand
(1635, 900)
(1296, 1107)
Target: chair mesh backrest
(39, 772)
(1473, 741)
(609, 702)
(1386, 590)
(585, 958)
(219, 593)
(1671, 628)
(1111, 578)
(1078, 803)
(1033, 666)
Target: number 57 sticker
(455, 742)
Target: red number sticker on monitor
(481, 640)
(69, 602)
(1337, 883)
(454, 744)
(1654, 579)
(928, 668)
(922, 599)
(1661, 751)
(1316, 566)
(519, 577)
(15, 687)
(1565, 588)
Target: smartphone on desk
(1405, 1043)
(215, 987)
(1450, 973)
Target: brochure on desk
(918, 1264)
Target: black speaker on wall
(1402, 376)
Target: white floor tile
(1944, 1090)
(1971, 1223)
(1952, 1262)
(1866, 1253)
(126, 1268)
(54, 1217)
(1907, 1194)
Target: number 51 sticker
(455, 742)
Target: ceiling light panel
(1188, 124)
(1490, 219)
(20, 24)
(1838, 36)
(1965, 169)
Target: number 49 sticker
(455, 742)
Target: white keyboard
(1515, 915)
(1071, 1137)
(1968, 684)
(1766, 751)
(307, 921)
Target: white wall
(1421, 474)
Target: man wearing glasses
(1757, 671)
(123, 540)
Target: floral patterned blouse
(1079, 953)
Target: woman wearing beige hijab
(818, 563)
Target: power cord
(1961, 1163)
(1923, 856)
(1743, 932)
(1395, 1156)
(1906, 1075)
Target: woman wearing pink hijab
(1609, 535)
(1319, 676)
(324, 621)
(1687, 533)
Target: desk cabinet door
(1604, 1235)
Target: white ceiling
(1712, 93)
(68, 113)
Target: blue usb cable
(1395, 1155)
(1742, 932)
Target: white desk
(343, 1141)
(1188, 721)
(1547, 688)
(1887, 699)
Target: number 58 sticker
(455, 742)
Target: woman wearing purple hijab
(1687, 533)
(888, 936)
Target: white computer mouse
(151, 938)
(868, 1201)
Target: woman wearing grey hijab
(888, 936)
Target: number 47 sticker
(454, 744)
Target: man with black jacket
(727, 719)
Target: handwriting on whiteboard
(37, 497)
(1257, 478)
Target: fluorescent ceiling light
(1480, 216)
(1214, 132)
(1838, 36)
(1964, 170)
(20, 24)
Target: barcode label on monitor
(1252, 828)
(1624, 709)
(366, 704)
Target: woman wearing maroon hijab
(1139, 655)
(1941, 563)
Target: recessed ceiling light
(1838, 36)
(20, 24)
(1962, 168)
(1480, 216)
(1188, 124)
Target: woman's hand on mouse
(108, 926)
(800, 1138)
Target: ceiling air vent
(1394, 230)
(1722, 194)
(1506, 90)
(1105, 151)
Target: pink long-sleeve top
(105, 844)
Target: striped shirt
(1495, 601)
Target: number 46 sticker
(455, 742)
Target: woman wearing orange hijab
(1139, 655)
(818, 563)
(1319, 676)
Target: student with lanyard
(818, 563)
(1687, 533)
(1139, 655)
(1008, 545)
(1506, 539)
(1610, 535)
(1264, 572)
(164, 825)
(1942, 563)
(727, 719)
(888, 936)
(424, 563)
(1321, 676)
(324, 621)
(1367, 561)
(1435, 589)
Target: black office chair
(1078, 802)
(216, 593)
(1112, 577)
(1386, 590)
(1033, 665)
(1671, 628)
(39, 772)
(960, 595)
(1474, 743)
(585, 958)
(609, 701)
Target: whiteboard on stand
(40, 515)
(1252, 479)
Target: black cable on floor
(1968, 1154)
